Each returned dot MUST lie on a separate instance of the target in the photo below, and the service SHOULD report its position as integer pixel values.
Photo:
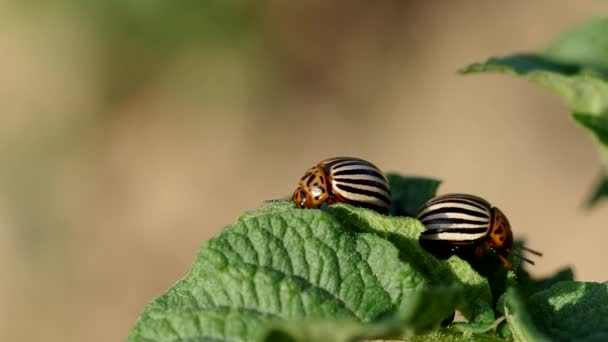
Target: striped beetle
(344, 179)
(465, 222)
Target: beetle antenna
(523, 258)
(275, 200)
(537, 253)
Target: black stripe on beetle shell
(470, 202)
(365, 192)
(368, 182)
(358, 172)
(346, 162)
(458, 210)
(450, 220)
(350, 162)
(460, 200)
(454, 230)
(339, 160)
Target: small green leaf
(410, 193)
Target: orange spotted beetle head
(500, 231)
(312, 190)
(501, 237)
(300, 198)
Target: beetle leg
(506, 262)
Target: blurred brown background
(133, 131)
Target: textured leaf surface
(520, 320)
(574, 67)
(349, 274)
(280, 263)
(450, 335)
(572, 311)
(340, 274)
(419, 313)
(567, 311)
(403, 232)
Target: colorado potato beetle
(343, 179)
(461, 222)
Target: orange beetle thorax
(312, 189)
(501, 236)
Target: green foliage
(519, 318)
(406, 200)
(574, 67)
(349, 274)
(567, 311)
(574, 311)
(285, 273)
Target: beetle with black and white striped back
(344, 179)
(457, 222)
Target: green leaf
(572, 311)
(483, 321)
(419, 313)
(410, 193)
(282, 263)
(403, 232)
(567, 311)
(322, 330)
(574, 67)
(338, 274)
(583, 92)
